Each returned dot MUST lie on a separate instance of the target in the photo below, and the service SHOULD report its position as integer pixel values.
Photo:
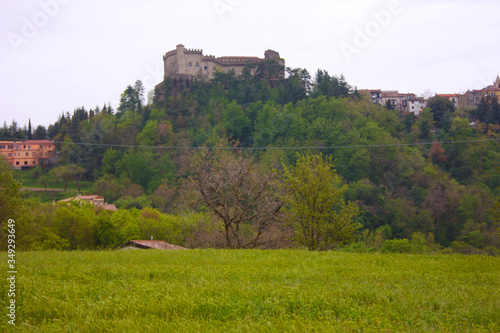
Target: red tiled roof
(447, 95)
(38, 142)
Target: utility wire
(278, 148)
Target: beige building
(193, 63)
(183, 65)
(95, 200)
(27, 154)
(472, 98)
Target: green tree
(441, 107)
(11, 205)
(237, 124)
(315, 203)
(63, 173)
(424, 123)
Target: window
(17, 163)
(2, 146)
(27, 154)
(206, 67)
(197, 64)
(10, 155)
(25, 162)
(190, 64)
(34, 162)
(11, 147)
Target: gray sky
(56, 55)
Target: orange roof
(38, 142)
(447, 95)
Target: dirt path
(34, 189)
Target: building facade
(27, 154)
(403, 102)
(193, 63)
(472, 98)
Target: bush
(396, 246)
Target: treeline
(435, 174)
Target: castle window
(25, 162)
(190, 64)
(197, 64)
(17, 163)
(206, 67)
(2, 147)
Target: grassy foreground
(253, 291)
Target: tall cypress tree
(30, 136)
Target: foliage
(314, 197)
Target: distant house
(95, 200)
(454, 98)
(153, 244)
(27, 154)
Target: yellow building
(27, 154)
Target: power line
(278, 148)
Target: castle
(182, 62)
(184, 65)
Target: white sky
(56, 55)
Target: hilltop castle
(183, 65)
(192, 63)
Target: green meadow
(253, 291)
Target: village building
(403, 102)
(95, 200)
(472, 98)
(454, 98)
(27, 154)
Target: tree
(408, 122)
(30, 136)
(237, 124)
(314, 197)
(11, 205)
(40, 133)
(424, 123)
(132, 99)
(388, 105)
(240, 195)
(441, 107)
(66, 173)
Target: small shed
(153, 244)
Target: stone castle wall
(182, 61)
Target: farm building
(153, 244)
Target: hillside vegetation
(434, 177)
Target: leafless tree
(241, 195)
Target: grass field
(254, 291)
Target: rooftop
(154, 244)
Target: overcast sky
(57, 55)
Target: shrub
(396, 246)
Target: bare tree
(241, 195)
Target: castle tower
(497, 82)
